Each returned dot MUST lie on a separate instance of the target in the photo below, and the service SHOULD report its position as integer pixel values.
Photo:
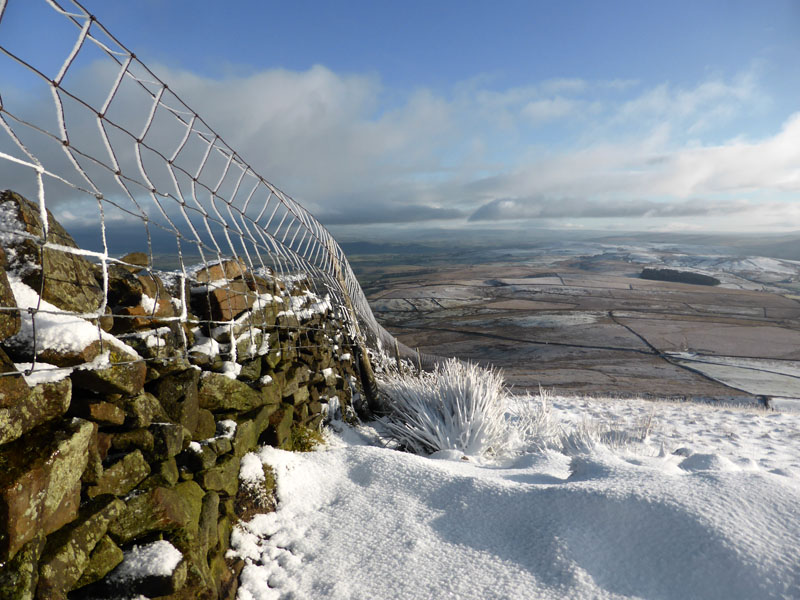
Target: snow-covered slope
(706, 507)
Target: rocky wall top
(128, 397)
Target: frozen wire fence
(91, 134)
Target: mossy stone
(220, 393)
(162, 474)
(198, 459)
(40, 482)
(20, 576)
(280, 427)
(157, 510)
(125, 376)
(122, 476)
(104, 557)
(223, 477)
(13, 388)
(206, 425)
(251, 369)
(67, 552)
(207, 526)
(177, 393)
(142, 410)
(67, 280)
(167, 440)
(137, 439)
(42, 403)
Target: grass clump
(304, 439)
(460, 406)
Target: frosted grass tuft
(460, 406)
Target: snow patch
(154, 559)
(55, 329)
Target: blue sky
(679, 116)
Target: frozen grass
(460, 406)
(464, 407)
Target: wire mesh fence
(130, 213)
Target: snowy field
(706, 505)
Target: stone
(13, 388)
(40, 482)
(161, 367)
(68, 550)
(263, 285)
(222, 302)
(272, 359)
(137, 439)
(125, 376)
(271, 393)
(191, 494)
(314, 422)
(67, 280)
(249, 429)
(136, 318)
(167, 342)
(294, 378)
(136, 261)
(226, 577)
(206, 425)
(142, 410)
(223, 477)
(198, 457)
(145, 313)
(245, 438)
(122, 476)
(260, 318)
(162, 474)
(20, 576)
(250, 345)
(9, 319)
(287, 322)
(94, 466)
(124, 288)
(220, 393)
(158, 510)
(251, 369)
(103, 444)
(226, 508)
(226, 269)
(207, 527)
(168, 440)
(141, 574)
(301, 396)
(104, 557)
(199, 584)
(178, 395)
(302, 415)
(43, 403)
(221, 445)
(278, 433)
(104, 413)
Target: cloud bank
(355, 152)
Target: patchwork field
(590, 324)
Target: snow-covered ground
(707, 506)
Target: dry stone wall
(127, 399)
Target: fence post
(368, 381)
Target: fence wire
(91, 134)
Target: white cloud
(549, 109)
(353, 151)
